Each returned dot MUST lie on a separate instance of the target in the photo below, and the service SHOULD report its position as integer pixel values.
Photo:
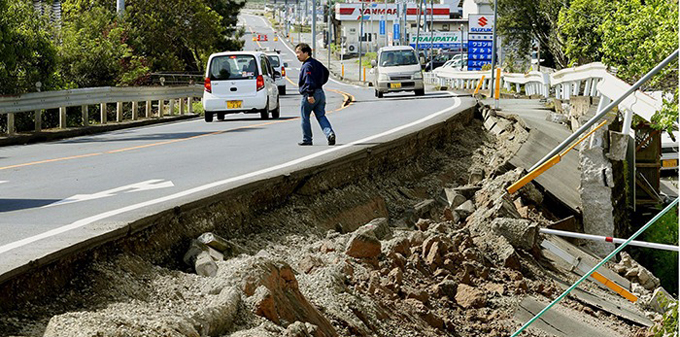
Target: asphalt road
(55, 194)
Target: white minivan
(240, 82)
(397, 69)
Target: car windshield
(233, 67)
(274, 60)
(391, 58)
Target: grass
(367, 58)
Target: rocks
(453, 197)
(273, 293)
(224, 246)
(378, 227)
(520, 233)
(469, 297)
(200, 258)
(447, 288)
(635, 272)
(363, 246)
(425, 209)
(465, 209)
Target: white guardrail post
(42, 101)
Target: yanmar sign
(353, 12)
(480, 24)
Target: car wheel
(264, 114)
(208, 116)
(379, 94)
(277, 112)
(282, 90)
(220, 116)
(420, 92)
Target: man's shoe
(331, 139)
(305, 143)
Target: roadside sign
(382, 27)
(396, 31)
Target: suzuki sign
(480, 24)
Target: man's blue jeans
(319, 109)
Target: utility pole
(314, 25)
(328, 38)
(361, 37)
(493, 55)
(420, 9)
(120, 7)
(431, 33)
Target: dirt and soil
(428, 269)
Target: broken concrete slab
(453, 198)
(560, 321)
(198, 256)
(378, 227)
(661, 300)
(520, 233)
(618, 145)
(465, 209)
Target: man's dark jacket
(313, 75)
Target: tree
(94, 50)
(521, 22)
(27, 54)
(177, 35)
(580, 29)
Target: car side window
(265, 66)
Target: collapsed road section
(415, 237)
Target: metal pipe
(608, 239)
(586, 275)
(493, 46)
(603, 112)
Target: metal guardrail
(39, 101)
(591, 79)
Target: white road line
(89, 220)
(3, 181)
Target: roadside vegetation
(92, 46)
(630, 36)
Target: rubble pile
(454, 257)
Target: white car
(280, 67)
(396, 70)
(240, 82)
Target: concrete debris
(378, 227)
(635, 272)
(457, 269)
(465, 209)
(661, 300)
(363, 246)
(200, 258)
(453, 197)
(520, 233)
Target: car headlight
(383, 77)
(418, 76)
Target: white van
(397, 69)
(240, 82)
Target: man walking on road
(313, 75)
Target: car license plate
(234, 104)
(395, 85)
(670, 163)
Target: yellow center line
(51, 160)
(345, 97)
